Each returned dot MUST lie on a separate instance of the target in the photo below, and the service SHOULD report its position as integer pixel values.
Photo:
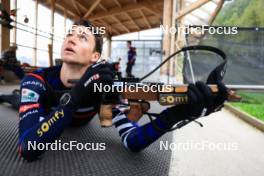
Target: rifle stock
(138, 101)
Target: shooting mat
(115, 160)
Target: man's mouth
(69, 49)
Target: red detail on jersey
(20, 150)
(24, 108)
(36, 76)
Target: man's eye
(68, 35)
(83, 37)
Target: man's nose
(72, 39)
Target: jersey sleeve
(135, 137)
(35, 124)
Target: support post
(36, 34)
(14, 30)
(50, 47)
(4, 31)
(108, 45)
(167, 20)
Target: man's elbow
(134, 150)
(28, 153)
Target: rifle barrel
(246, 87)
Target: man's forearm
(45, 131)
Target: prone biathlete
(49, 102)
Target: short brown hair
(98, 38)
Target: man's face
(78, 47)
(128, 45)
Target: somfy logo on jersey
(29, 96)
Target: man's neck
(71, 71)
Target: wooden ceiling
(118, 16)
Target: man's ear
(95, 57)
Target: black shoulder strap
(53, 96)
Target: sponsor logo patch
(94, 77)
(28, 95)
(41, 118)
(24, 108)
(45, 126)
(28, 113)
(34, 83)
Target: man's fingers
(208, 95)
(195, 95)
(221, 97)
(223, 90)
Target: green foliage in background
(252, 103)
(243, 13)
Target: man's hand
(201, 102)
(84, 93)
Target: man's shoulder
(47, 70)
(42, 74)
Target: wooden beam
(131, 30)
(155, 12)
(103, 7)
(131, 19)
(145, 19)
(15, 25)
(76, 7)
(152, 9)
(205, 10)
(50, 46)
(117, 20)
(216, 11)
(61, 6)
(138, 18)
(191, 8)
(189, 21)
(82, 6)
(4, 31)
(120, 32)
(109, 26)
(36, 34)
(173, 48)
(215, 1)
(91, 8)
(167, 21)
(199, 18)
(125, 8)
(69, 13)
(118, 3)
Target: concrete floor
(231, 147)
(241, 153)
(8, 88)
